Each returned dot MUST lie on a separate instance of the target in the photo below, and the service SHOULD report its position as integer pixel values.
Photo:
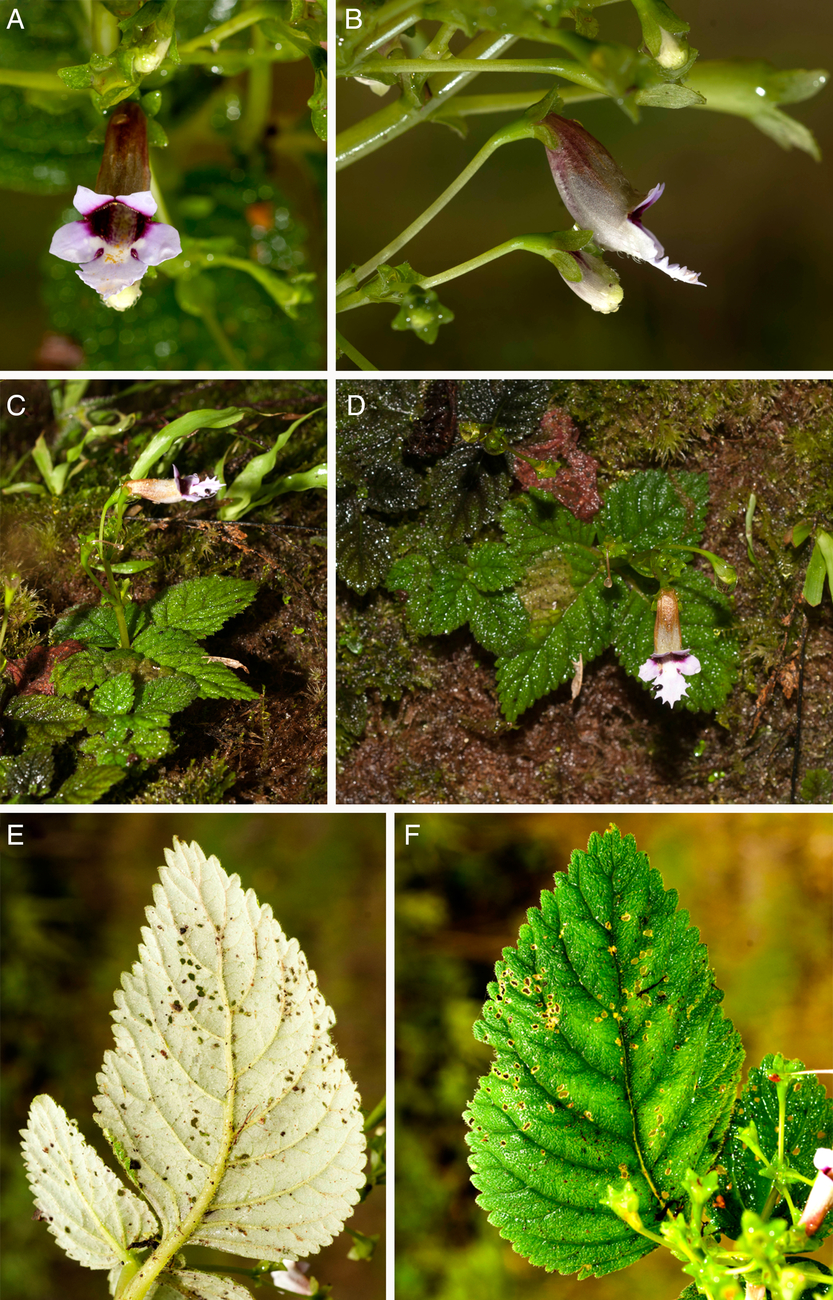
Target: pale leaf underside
(240, 1120)
(613, 1061)
(90, 1212)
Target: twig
(798, 703)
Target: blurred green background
(753, 219)
(73, 903)
(757, 886)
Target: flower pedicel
(117, 240)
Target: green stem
(353, 353)
(518, 244)
(115, 594)
(520, 130)
(259, 98)
(399, 16)
(268, 9)
(219, 336)
(36, 81)
(568, 69)
(397, 118)
(513, 101)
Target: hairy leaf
(166, 694)
(241, 1124)
(88, 783)
(363, 542)
(46, 717)
(194, 1285)
(176, 649)
(808, 1124)
(202, 605)
(92, 1216)
(613, 1061)
(97, 624)
(654, 506)
(467, 489)
(114, 696)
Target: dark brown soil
(447, 742)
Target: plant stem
(568, 69)
(36, 81)
(219, 336)
(393, 120)
(267, 9)
(353, 353)
(259, 98)
(115, 594)
(516, 131)
(512, 101)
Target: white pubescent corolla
(292, 1277)
(599, 197)
(115, 243)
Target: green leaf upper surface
(176, 649)
(114, 696)
(808, 1125)
(613, 1061)
(97, 624)
(224, 1087)
(202, 605)
(47, 718)
(90, 1212)
(653, 506)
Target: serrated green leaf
(412, 575)
(494, 566)
(467, 489)
(451, 598)
(808, 1125)
(363, 546)
(202, 605)
(81, 671)
(90, 1213)
(47, 718)
(166, 695)
(653, 506)
(613, 1061)
(223, 1085)
(535, 523)
(584, 627)
(88, 783)
(28, 775)
(173, 648)
(114, 696)
(97, 624)
(499, 622)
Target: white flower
(291, 1277)
(599, 197)
(599, 285)
(116, 242)
(668, 672)
(820, 1199)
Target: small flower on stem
(820, 1200)
(599, 284)
(182, 487)
(117, 241)
(670, 664)
(291, 1277)
(599, 197)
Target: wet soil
(446, 741)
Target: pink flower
(116, 242)
(667, 674)
(599, 197)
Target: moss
(204, 781)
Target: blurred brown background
(752, 218)
(758, 886)
(74, 899)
